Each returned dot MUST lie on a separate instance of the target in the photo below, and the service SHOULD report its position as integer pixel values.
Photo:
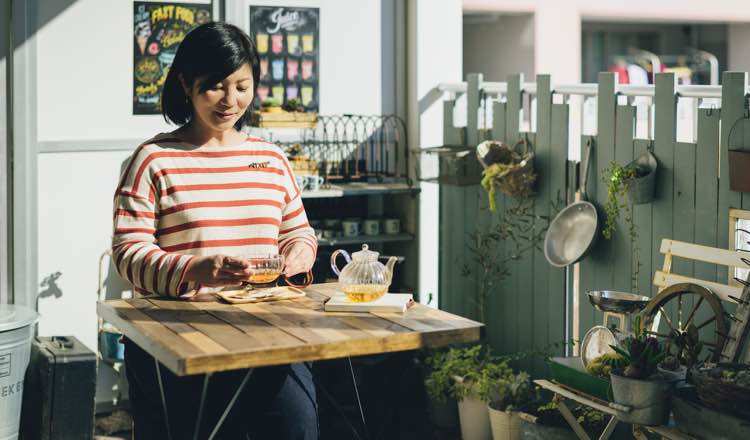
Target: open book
(390, 302)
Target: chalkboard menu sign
(158, 30)
(288, 44)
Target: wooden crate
(284, 119)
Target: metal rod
(588, 89)
(359, 402)
(163, 399)
(198, 419)
(231, 404)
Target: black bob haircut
(208, 54)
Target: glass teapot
(363, 278)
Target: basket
(716, 393)
(456, 165)
(283, 119)
(508, 170)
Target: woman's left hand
(299, 259)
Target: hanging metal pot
(642, 188)
(572, 233)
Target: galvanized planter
(648, 399)
(696, 419)
(642, 189)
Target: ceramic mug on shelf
(372, 227)
(392, 226)
(300, 182)
(332, 223)
(329, 233)
(350, 227)
(313, 182)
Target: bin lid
(13, 317)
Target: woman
(191, 202)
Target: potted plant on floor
(638, 385)
(505, 393)
(456, 374)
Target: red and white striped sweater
(177, 201)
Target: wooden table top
(202, 337)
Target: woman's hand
(218, 270)
(299, 259)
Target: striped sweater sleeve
(294, 225)
(137, 256)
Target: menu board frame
(288, 43)
(158, 29)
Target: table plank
(217, 330)
(170, 349)
(170, 319)
(252, 326)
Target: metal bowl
(617, 302)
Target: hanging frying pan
(572, 233)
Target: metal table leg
(198, 419)
(204, 392)
(359, 402)
(231, 403)
(163, 399)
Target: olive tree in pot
(505, 394)
(456, 374)
(638, 385)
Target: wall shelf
(360, 189)
(383, 238)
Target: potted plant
(638, 385)
(271, 105)
(505, 393)
(616, 178)
(442, 408)
(688, 348)
(294, 105)
(456, 374)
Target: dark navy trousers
(277, 402)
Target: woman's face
(223, 103)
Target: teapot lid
(365, 255)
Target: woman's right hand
(217, 270)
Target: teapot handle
(333, 260)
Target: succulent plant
(642, 353)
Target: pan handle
(585, 167)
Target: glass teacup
(265, 269)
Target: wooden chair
(672, 285)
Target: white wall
(85, 75)
(498, 45)
(435, 47)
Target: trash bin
(16, 334)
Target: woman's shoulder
(262, 144)
(161, 141)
